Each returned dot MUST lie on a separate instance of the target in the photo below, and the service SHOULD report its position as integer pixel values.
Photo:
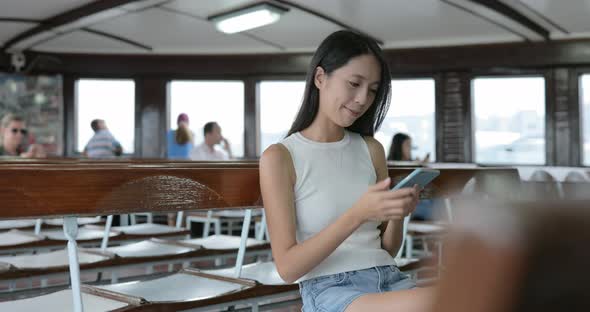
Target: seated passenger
(334, 224)
(180, 141)
(14, 136)
(206, 151)
(401, 149)
(102, 144)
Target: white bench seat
(53, 259)
(81, 221)
(148, 229)
(18, 237)
(179, 287)
(62, 301)
(264, 273)
(85, 233)
(17, 224)
(220, 242)
(151, 248)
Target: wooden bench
(72, 189)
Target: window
(279, 104)
(411, 112)
(110, 100)
(205, 101)
(509, 120)
(585, 118)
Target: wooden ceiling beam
(119, 38)
(511, 13)
(65, 18)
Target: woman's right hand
(379, 203)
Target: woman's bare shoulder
(375, 147)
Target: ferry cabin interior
(495, 95)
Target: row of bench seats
(212, 191)
(203, 289)
(555, 182)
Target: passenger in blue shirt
(180, 141)
(102, 144)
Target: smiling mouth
(354, 113)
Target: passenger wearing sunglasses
(14, 134)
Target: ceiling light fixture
(246, 18)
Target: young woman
(401, 149)
(180, 141)
(333, 221)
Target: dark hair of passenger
(395, 150)
(208, 128)
(183, 135)
(334, 52)
(94, 124)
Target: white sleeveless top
(331, 177)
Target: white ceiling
(297, 31)
(36, 9)
(181, 26)
(9, 29)
(204, 8)
(571, 15)
(82, 41)
(402, 23)
(169, 32)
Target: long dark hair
(395, 150)
(334, 52)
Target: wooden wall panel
(69, 92)
(453, 118)
(562, 120)
(251, 119)
(451, 66)
(151, 117)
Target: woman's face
(349, 91)
(407, 149)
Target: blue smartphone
(420, 176)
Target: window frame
(289, 78)
(577, 116)
(517, 73)
(437, 101)
(197, 78)
(73, 121)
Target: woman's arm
(293, 260)
(391, 230)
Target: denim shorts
(333, 293)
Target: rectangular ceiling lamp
(247, 18)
